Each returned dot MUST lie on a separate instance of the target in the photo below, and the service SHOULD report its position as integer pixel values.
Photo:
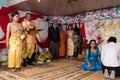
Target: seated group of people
(108, 60)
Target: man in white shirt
(110, 58)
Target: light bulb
(38, 0)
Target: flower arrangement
(32, 27)
(35, 29)
(44, 56)
(82, 56)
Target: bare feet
(18, 69)
(13, 69)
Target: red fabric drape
(44, 44)
(82, 29)
(6, 11)
(4, 20)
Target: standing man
(54, 38)
(31, 37)
(110, 58)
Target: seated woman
(92, 58)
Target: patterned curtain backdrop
(89, 30)
(89, 16)
(110, 30)
(101, 30)
(92, 32)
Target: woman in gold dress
(70, 42)
(14, 42)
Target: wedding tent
(96, 19)
(63, 7)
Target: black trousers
(54, 49)
(116, 69)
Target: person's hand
(40, 41)
(89, 65)
(7, 44)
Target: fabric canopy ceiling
(64, 7)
